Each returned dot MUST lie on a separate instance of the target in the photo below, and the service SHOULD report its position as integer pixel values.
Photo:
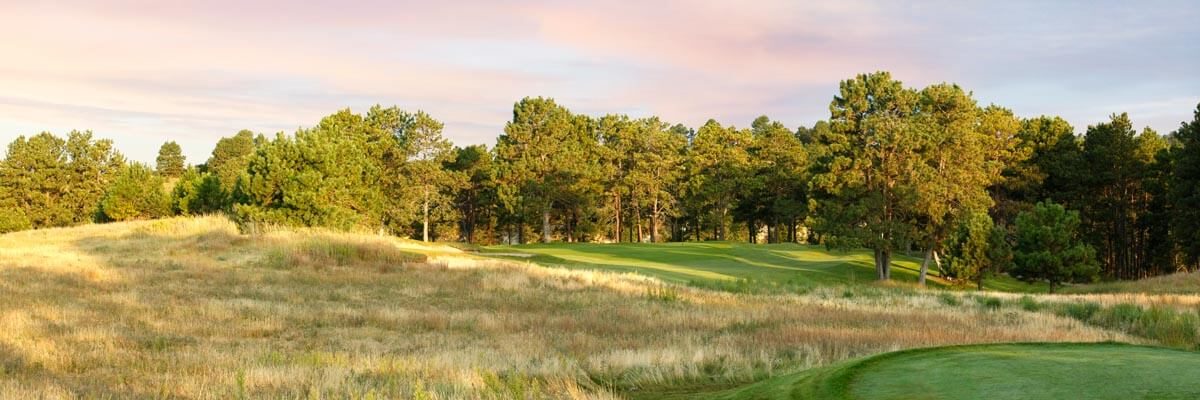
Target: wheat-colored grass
(189, 308)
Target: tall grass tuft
(324, 252)
(663, 293)
(1166, 325)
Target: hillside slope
(189, 308)
(723, 264)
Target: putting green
(999, 371)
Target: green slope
(725, 262)
(997, 371)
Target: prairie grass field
(188, 308)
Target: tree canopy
(1049, 247)
(170, 161)
(892, 169)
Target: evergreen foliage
(135, 194)
(197, 193)
(169, 163)
(46, 181)
(1184, 191)
(1049, 247)
(894, 169)
(326, 176)
(230, 158)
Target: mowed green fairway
(999, 371)
(724, 262)
(719, 261)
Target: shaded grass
(1172, 326)
(1178, 283)
(736, 267)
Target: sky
(145, 72)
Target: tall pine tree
(169, 163)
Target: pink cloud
(147, 71)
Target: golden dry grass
(188, 308)
(1184, 283)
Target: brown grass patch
(188, 308)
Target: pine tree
(94, 164)
(1154, 252)
(1046, 153)
(615, 134)
(326, 176)
(1185, 192)
(969, 248)
(654, 171)
(426, 153)
(1114, 196)
(718, 164)
(1049, 247)
(863, 179)
(51, 182)
(36, 178)
(197, 193)
(541, 153)
(780, 163)
(230, 159)
(12, 217)
(169, 163)
(477, 200)
(135, 194)
(963, 150)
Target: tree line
(973, 189)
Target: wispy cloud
(143, 72)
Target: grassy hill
(1178, 283)
(724, 264)
(190, 308)
(995, 371)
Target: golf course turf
(994, 371)
(723, 263)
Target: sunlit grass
(189, 308)
(715, 264)
(992, 371)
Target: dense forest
(973, 188)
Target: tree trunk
(879, 264)
(883, 261)
(887, 264)
(638, 217)
(937, 261)
(469, 225)
(924, 267)
(425, 215)
(546, 225)
(753, 237)
(570, 227)
(521, 232)
(724, 228)
(1052, 287)
(654, 222)
(617, 225)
